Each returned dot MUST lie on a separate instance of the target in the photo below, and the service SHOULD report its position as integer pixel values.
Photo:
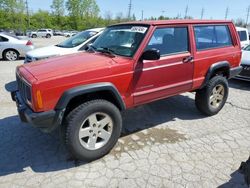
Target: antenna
(226, 14)
(202, 13)
(248, 12)
(186, 12)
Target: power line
(226, 14)
(28, 14)
(129, 8)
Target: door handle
(188, 59)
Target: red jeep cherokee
(130, 64)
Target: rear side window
(170, 40)
(243, 35)
(212, 36)
(3, 39)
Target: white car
(245, 63)
(244, 36)
(75, 44)
(12, 47)
(48, 33)
(70, 33)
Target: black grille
(24, 89)
(245, 71)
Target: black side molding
(81, 90)
(235, 71)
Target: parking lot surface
(167, 143)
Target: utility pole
(226, 14)
(202, 13)
(142, 15)
(28, 14)
(186, 12)
(248, 12)
(129, 9)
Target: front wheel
(92, 129)
(211, 99)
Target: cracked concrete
(164, 144)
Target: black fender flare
(86, 89)
(213, 68)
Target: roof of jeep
(167, 22)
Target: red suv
(130, 64)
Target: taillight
(29, 43)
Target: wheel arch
(222, 67)
(72, 97)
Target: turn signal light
(39, 99)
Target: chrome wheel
(95, 131)
(11, 55)
(217, 96)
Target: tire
(33, 36)
(86, 118)
(48, 36)
(11, 55)
(211, 99)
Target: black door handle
(188, 59)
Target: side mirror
(151, 54)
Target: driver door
(172, 73)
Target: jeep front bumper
(46, 121)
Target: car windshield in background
(247, 48)
(243, 35)
(11, 35)
(122, 40)
(77, 39)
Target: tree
(58, 11)
(81, 10)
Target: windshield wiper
(106, 50)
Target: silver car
(12, 47)
(245, 63)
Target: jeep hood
(69, 65)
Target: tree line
(63, 15)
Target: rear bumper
(46, 121)
(235, 71)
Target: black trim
(213, 68)
(86, 89)
(235, 71)
(46, 121)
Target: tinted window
(3, 39)
(170, 40)
(212, 37)
(42, 30)
(243, 35)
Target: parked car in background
(245, 63)
(48, 33)
(70, 33)
(74, 44)
(244, 36)
(58, 33)
(12, 47)
(128, 65)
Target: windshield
(77, 39)
(122, 40)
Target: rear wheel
(34, 36)
(211, 99)
(48, 36)
(92, 129)
(11, 55)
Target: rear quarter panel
(205, 58)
